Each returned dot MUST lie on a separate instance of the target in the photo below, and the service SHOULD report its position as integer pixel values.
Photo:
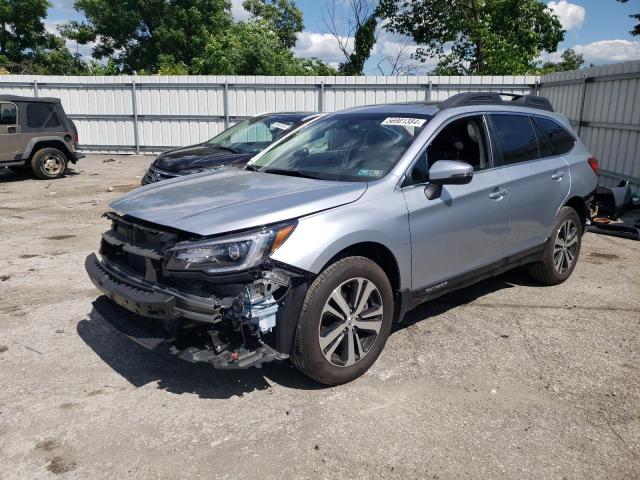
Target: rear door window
(561, 140)
(42, 115)
(8, 114)
(515, 138)
(546, 150)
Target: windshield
(252, 136)
(350, 147)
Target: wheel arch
(46, 142)
(376, 252)
(580, 206)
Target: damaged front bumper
(231, 323)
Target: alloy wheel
(350, 322)
(566, 246)
(53, 164)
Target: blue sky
(599, 29)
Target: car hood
(229, 199)
(203, 155)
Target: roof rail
(495, 98)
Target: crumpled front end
(231, 320)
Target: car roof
(17, 98)
(287, 115)
(414, 108)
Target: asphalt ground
(506, 379)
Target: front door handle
(12, 130)
(498, 193)
(557, 175)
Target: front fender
(381, 219)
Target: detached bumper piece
(239, 359)
(227, 332)
(143, 302)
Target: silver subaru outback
(333, 233)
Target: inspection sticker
(404, 121)
(370, 173)
(281, 126)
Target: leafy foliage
(282, 16)
(570, 60)
(636, 16)
(253, 48)
(488, 37)
(149, 34)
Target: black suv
(36, 133)
(233, 147)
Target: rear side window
(8, 114)
(42, 115)
(515, 138)
(561, 140)
(543, 142)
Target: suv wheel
(345, 321)
(562, 250)
(49, 163)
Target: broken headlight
(229, 254)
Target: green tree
(570, 60)
(22, 28)
(282, 16)
(360, 23)
(636, 16)
(487, 37)
(253, 48)
(147, 35)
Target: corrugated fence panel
(152, 113)
(603, 103)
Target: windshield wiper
(228, 149)
(291, 173)
(252, 168)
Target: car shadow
(457, 298)
(10, 176)
(140, 366)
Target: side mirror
(447, 172)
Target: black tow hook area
(231, 360)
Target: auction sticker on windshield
(404, 121)
(281, 126)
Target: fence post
(583, 96)
(225, 103)
(321, 98)
(36, 93)
(136, 133)
(429, 91)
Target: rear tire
(49, 163)
(562, 250)
(344, 322)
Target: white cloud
(238, 11)
(570, 14)
(321, 45)
(609, 51)
(74, 47)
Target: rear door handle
(557, 175)
(12, 130)
(498, 193)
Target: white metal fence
(603, 104)
(151, 113)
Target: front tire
(562, 250)
(49, 163)
(345, 321)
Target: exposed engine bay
(230, 320)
